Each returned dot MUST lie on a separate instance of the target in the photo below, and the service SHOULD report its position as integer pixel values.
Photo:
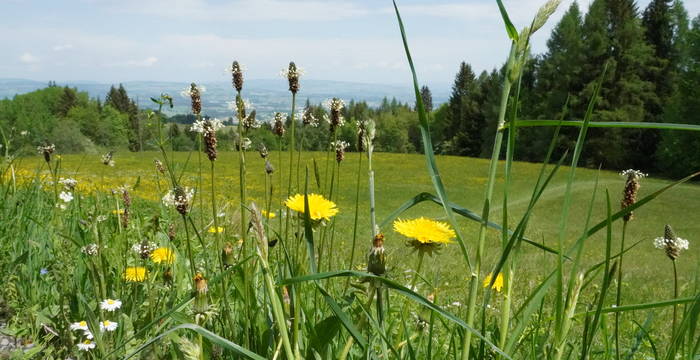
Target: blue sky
(194, 40)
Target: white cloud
(147, 62)
(28, 58)
(245, 10)
(62, 47)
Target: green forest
(652, 57)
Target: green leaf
(609, 124)
(213, 338)
(417, 298)
(428, 144)
(510, 28)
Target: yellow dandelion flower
(497, 285)
(162, 255)
(424, 230)
(216, 229)
(320, 208)
(135, 274)
(271, 215)
(118, 212)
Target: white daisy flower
(80, 325)
(86, 345)
(88, 334)
(110, 304)
(108, 325)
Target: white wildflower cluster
(187, 92)
(339, 145)
(679, 243)
(24, 132)
(69, 184)
(631, 172)
(66, 197)
(170, 199)
(297, 72)
(89, 249)
(204, 126)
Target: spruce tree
(464, 118)
(427, 98)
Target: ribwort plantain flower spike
(631, 190)
(236, 71)
(335, 107)
(278, 127)
(672, 244)
(292, 74)
(46, 150)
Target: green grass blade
(634, 307)
(510, 28)
(609, 124)
(417, 298)
(213, 338)
(428, 144)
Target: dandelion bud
(237, 76)
(376, 263)
(227, 255)
(269, 169)
(159, 166)
(46, 150)
(278, 128)
(201, 304)
(168, 276)
(631, 190)
(171, 232)
(262, 149)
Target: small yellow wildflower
(424, 230)
(135, 274)
(320, 208)
(162, 255)
(497, 285)
(269, 215)
(118, 212)
(216, 229)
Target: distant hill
(267, 95)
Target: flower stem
(675, 296)
(618, 296)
